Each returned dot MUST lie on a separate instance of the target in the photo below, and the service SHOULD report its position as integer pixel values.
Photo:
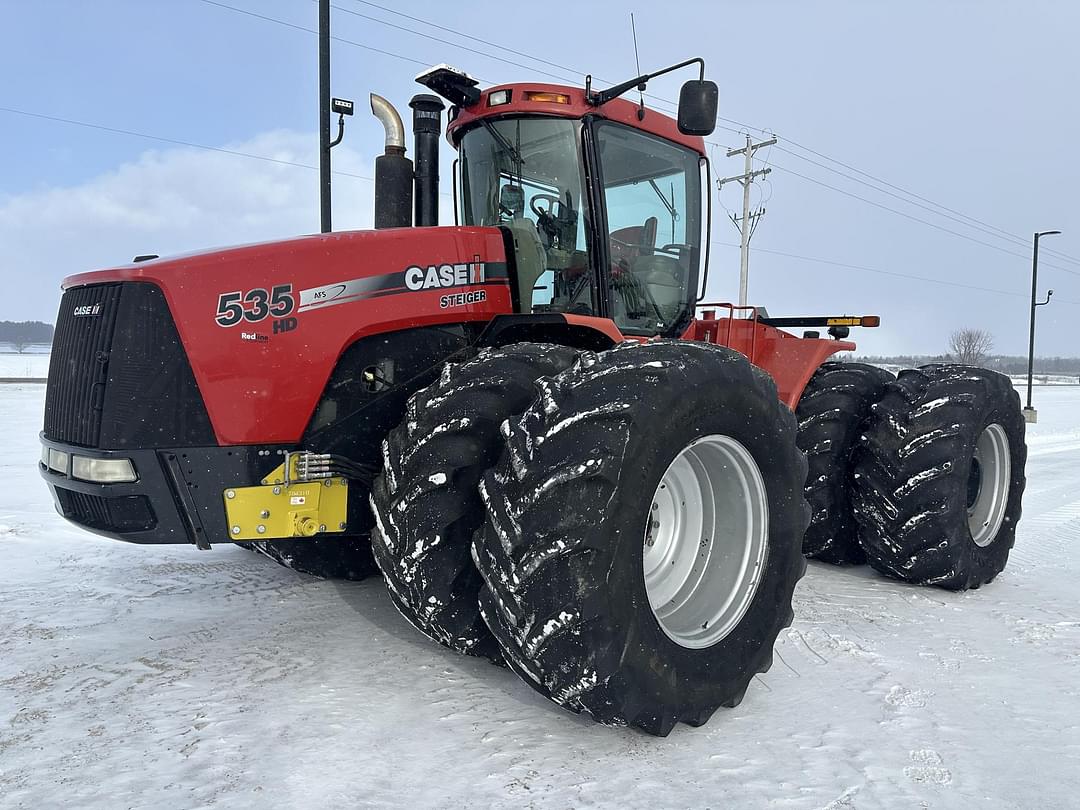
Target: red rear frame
(791, 361)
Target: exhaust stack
(393, 171)
(427, 126)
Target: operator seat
(531, 259)
(661, 276)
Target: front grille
(130, 513)
(79, 363)
(120, 378)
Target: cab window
(524, 174)
(652, 196)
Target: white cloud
(168, 201)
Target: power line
(538, 59)
(313, 31)
(438, 39)
(989, 231)
(952, 214)
(916, 196)
(173, 141)
(532, 57)
(879, 271)
(912, 217)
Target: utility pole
(324, 115)
(748, 221)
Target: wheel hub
(988, 485)
(706, 538)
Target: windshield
(525, 174)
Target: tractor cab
(605, 206)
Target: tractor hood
(263, 325)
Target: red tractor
(561, 459)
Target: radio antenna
(637, 66)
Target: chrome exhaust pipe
(391, 121)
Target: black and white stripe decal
(414, 278)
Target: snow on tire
(644, 533)
(426, 502)
(940, 475)
(831, 413)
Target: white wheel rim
(706, 537)
(988, 485)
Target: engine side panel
(264, 325)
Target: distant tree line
(22, 334)
(1006, 364)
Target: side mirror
(697, 107)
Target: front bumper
(177, 497)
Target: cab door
(652, 236)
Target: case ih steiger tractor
(561, 460)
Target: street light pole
(325, 225)
(1030, 414)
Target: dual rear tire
(636, 530)
(939, 477)
(636, 518)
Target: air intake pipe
(393, 171)
(427, 127)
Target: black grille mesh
(79, 364)
(121, 379)
(130, 513)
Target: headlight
(103, 470)
(58, 461)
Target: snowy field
(174, 678)
(30, 364)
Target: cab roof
(570, 103)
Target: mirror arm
(604, 96)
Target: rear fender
(791, 361)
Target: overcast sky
(971, 105)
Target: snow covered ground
(169, 677)
(29, 364)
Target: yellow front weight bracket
(285, 507)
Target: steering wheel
(674, 249)
(550, 199)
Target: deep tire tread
(426, 501)
(832, 413)
(911, 470)
(543, 563)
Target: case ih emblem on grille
(87, 310)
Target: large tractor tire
(940, 475)
(831, 414)
(644, 534)
(426, 502)
(332, 557)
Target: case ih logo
(444, 275)
(87, 310)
